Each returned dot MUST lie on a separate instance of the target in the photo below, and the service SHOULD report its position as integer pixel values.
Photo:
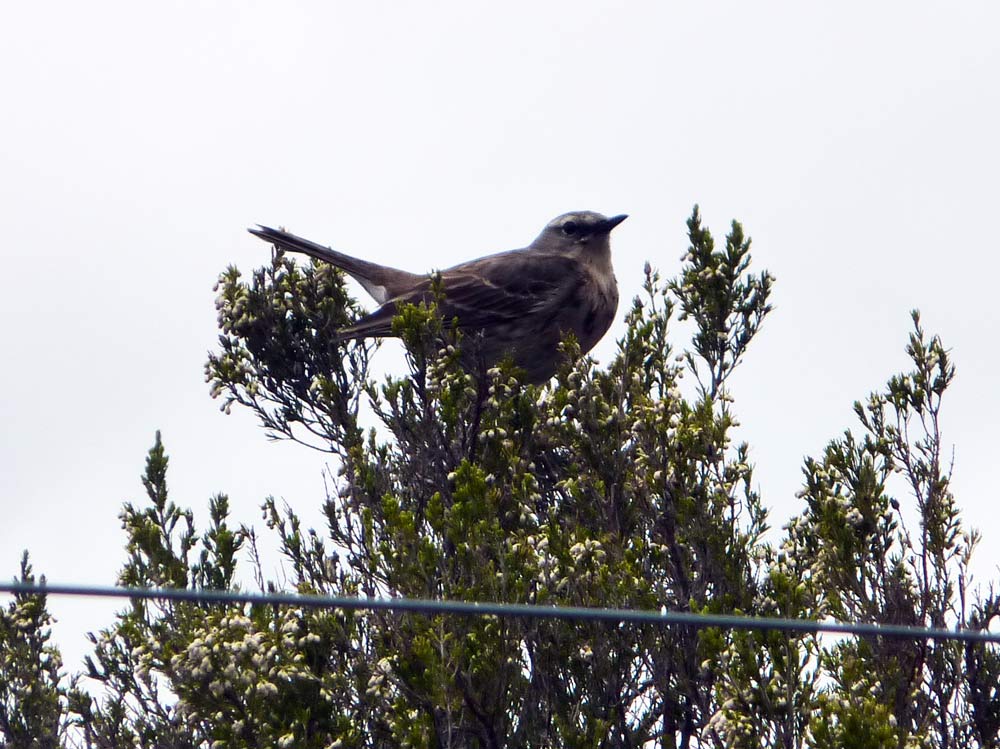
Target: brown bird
(523, 301)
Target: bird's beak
(612, 222)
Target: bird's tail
(381, 281)
(360, 269)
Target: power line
(510, 610)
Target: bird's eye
(569, 228)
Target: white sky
(856, 141)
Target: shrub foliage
(619, 486)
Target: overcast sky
(857, 142)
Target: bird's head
(578, 230)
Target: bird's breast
(592, 310)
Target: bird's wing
(489, 291)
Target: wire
(511, 610)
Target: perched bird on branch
(523, 302)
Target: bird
(522, 302)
